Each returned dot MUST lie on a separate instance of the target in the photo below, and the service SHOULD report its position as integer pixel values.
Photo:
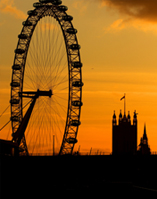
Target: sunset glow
(119, 55)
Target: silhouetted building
(124, 135)
(144, 147)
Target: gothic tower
(124, 134)
(144, 147)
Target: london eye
(46, 85)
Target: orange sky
(118, 51)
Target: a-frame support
(19, 136)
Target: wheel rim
(29, 71)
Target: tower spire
(124, 104)
(145, 134)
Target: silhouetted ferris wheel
(46, 86)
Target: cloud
(124, 23)
(139, 9)
(140, 14)
(7, 6)
(81, 5)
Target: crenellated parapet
(124, 118)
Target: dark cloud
(139, 9)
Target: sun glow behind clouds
(121, 24)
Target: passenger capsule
(71, 140)
(16, 67)
(38, 5)
(77, 64)
(77, 84)
(67, 18)
(23, 36)
(75, 47)
(57, 2)
(14, 101)
(32, 13)
(27, 23)
(15, 84)
(19, 51)
(62, 8)
(77, 103)
(71, 31)
(15, 118)
(75, 123)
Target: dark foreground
(81, 176)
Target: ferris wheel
(46, 85)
